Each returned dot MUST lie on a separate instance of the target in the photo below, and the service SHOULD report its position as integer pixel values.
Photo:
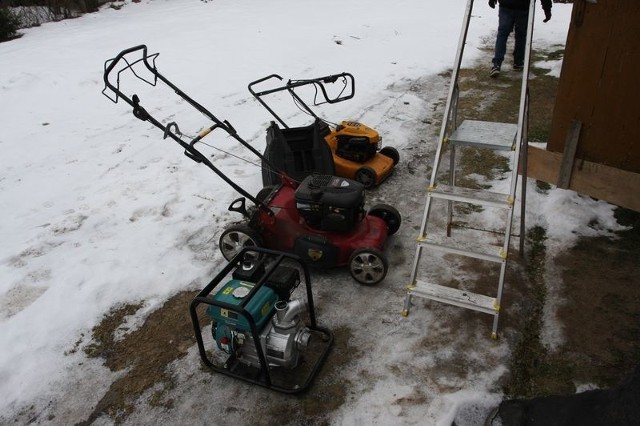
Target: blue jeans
(510, 20)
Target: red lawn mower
(320, 219)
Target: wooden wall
(600, 85)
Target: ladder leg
(494, 330)
(452, 125)
(423, 224)
(414, 268)
(412, 282)
(452, 182)
(407, 304)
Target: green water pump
(260, 323)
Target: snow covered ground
(98, 211)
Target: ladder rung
(473, 196)
(485, 134)
(464, 248)
(454, 296)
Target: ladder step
(467, 248)
(473, 196)
(485, 134)
(454, 296)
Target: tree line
(16, 14)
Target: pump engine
(282, 333)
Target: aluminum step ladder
(510, 138)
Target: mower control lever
(192, 152)
(168, 130)
(239, 206)
(322, 95)
(230, 128)
(193, 157)
(139, 112)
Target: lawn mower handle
(320, 81)
(293, 84)
(168, 130)
(327, 79)
(258, 96)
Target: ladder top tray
(485, 134)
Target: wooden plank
(569, 154)
(615, 186)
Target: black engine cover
(330, 203)
(358, 149)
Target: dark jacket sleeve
(524, 4)
(546, 5)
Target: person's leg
(521, 18)
(505, 25)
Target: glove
(492, 4)
(547, 14)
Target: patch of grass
(165, 336)
(467, 208)
(534, 370)
(103, 334)
(530, 367)
(602, 312)
(543, 187)
(556, 54)
(498, 100)
(630, 218)
(484, 98)
(600, 315)
(483, 162)
(542, 100)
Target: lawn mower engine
(355, 141)
(330, 203)
(282, 333)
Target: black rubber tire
(368, 266)
(391, 152)
(366, 176)
(389, 214)
(235, 238)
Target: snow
(554, 67)
(99, 211)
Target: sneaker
(518, 67)
(495, 71)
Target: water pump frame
(286, 380)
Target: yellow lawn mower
(349, 149)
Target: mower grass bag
(298, 152)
